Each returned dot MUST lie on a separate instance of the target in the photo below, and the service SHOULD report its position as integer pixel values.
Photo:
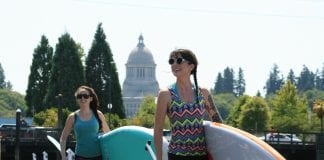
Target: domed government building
(140, 78)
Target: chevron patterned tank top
(186, 120)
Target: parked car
(281, 138)
(293, 136)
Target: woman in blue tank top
(87, 122)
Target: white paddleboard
(228, 143)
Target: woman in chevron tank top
(186, 106)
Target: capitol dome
(140, 54)
(140, 78)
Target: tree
(318, 108)
(234, 114)
(240, 85)
(117, 94)
(255, 115)
(101, 74)
(318, 80)
(9, 85)
(258, 93)
(306, 80)
(145, 115)
(2, 78)
(312, 96)
(3, 83)
(67, 73)
(321, 85)
(274, 82)
(115, 121)
(228, 80)
(48, 118)
(289, 111)
(291, 77)
(225, 102)
(219, 86)
(39, 76)
(10, 101)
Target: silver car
(281, 138)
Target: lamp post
(112, 63)
(109, 108)
(59, 112)
(18, 111)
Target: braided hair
(191, 58)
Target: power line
(194, 10)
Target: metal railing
(301, 138)
(33, 133)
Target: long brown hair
(94, 104)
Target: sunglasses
(178, 60)
(85, 96)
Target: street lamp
(59, 112)
(18, 112)
(109, 108)
(112, 63)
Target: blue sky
(250, 34)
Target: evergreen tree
(240, 85)
(258, 94)
(9, 85)
(317, 80)
(219, 85)
(3, 83)
(39, 76)
(67, 74)
(101, 74)
(274, 82)
(306, 81)
(2, 78)
(228, 80)
(321, 82)
(117, 94)
(289, 111)
(291, 77)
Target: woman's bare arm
(65, 133)
(161, 109)
(211, 108)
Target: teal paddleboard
(127, 143)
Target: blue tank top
(86, 133)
